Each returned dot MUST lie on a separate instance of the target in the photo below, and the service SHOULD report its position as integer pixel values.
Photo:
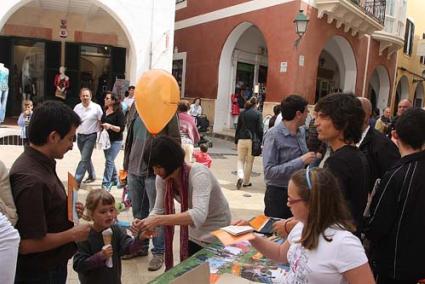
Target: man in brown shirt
(48, 238)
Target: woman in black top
(113, 121)
(339, 123)
(250, 124)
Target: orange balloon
(156, 96)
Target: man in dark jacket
(249, 129)
(381, 153)
(397, 226)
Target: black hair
(203, 147)
(290, 105)
(276, 109)
(114, 97)
(164, 152)
(194, 101)
(131, 88)
(48, 117)
(346, 113)
(410, 128)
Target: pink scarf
(169, 209)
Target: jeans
(245, 160)
(3, 102)
(110, 173)
(275, 201)
(9, 246)
(86, 145)
(56, 275)
(142, 193)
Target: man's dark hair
(410, 128)
(131, 88)
(346, 113)
(164, 152)
(276, 110)
(48, 117)
(290, 105)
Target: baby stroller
(202, 123)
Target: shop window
(409, 37)
(179, 70)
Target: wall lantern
(301, 22)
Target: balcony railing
(373, 8)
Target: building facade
(97, 41)
(411, 58)
(222, 47)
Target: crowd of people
(348, 192)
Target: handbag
(103, 141)
(256, 145)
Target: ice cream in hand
(107, 239)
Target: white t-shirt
(129, 102)
(328, 261)
(195, 110)
(90, 118)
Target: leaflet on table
(72, 199)
(263, 224)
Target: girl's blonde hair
(94, 198)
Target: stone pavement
(244, 203)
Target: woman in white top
(203, 206)
(195, 108)
(321, 247)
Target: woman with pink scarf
(188, 131)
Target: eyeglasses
(293, 201)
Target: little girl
(24, 120)
(92, 255)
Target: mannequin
(28, 86)
(4, 90)
(61, 84)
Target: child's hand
(107, 251)
(146, 234)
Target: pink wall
(203, 44)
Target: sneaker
(156, 262)
(239, 184)
(143, 252)
(246, 185)
(89, 180)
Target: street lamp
(301, 22)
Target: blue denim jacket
(281, 154)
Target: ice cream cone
(107, 239)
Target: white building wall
(147, 24)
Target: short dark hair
(131, 88)
(410, 128)
(48, 117)
(250, 103)
(203, 147)
(346, 113)
(164, 152)
(183, 106)
(290, 105)
(276, 109)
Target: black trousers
(275, 201)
